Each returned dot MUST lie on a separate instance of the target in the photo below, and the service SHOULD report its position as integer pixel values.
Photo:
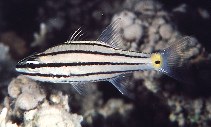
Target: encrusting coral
(31, 105)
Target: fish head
(28, 65)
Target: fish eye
(30, 66)
(157, 62)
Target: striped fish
(77, 62)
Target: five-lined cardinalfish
(77, 62)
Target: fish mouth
(18, 66)
(21, 63)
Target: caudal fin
(175, 59)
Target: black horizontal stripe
(98, 44)
(88, 52)
(27, 58)
(72, 75)
(31, 56)
(103, 45)
(82, 51)
(89, 43)
(72, 64)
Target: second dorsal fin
(111, 35)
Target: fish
(79, 62)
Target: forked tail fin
(174, 59)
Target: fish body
(76, 62)
(82, 61)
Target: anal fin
(122, 83)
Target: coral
(31, 105)
(53, 116)
(189, 111)
(3, 121)
(14, 42)
(4, 52)
(41, 36)
(115, 109)
(7, 65)
(166, 31)
(129, 31)
(26, 92)
(116, 106)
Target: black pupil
(157, 62)
(30, 65)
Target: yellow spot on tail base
(156, 60)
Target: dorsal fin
(75, 36)
(111, 35)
